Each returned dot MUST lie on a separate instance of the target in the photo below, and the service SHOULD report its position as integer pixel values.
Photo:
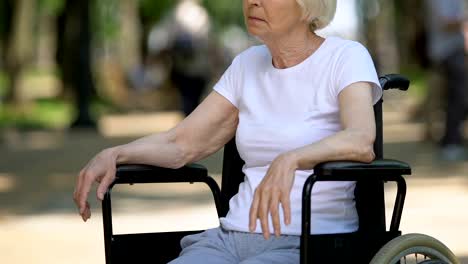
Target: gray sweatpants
(219, 246)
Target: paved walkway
(39, 224)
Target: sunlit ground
(38, 223)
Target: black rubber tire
(410, 244)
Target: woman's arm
(354, 143)
(202, 133)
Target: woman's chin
(254, 32)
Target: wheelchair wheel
(414, 248)
(433, 262)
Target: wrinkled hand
(100, 169)
(275, 188)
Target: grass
(40, 114)
(3, 84)
(46, 114)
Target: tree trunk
(130, 35)
(74, 57)
(46, 42)
(379, 22)
(5, 22)
(20, 45)
(411, 35)
(387, 49)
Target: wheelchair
(371, 243)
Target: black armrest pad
(350, 168)
(152, 174)
(134, 173)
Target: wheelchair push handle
(394, 81)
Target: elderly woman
(292, 103)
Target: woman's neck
(292, 49)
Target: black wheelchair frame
(358, 247)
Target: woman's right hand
(100, 169)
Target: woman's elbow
(362, 145)
(367, 153)
(177, 163)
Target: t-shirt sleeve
(355, 65)
(228, 84)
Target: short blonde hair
(319, 13)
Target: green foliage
(52, 7)
(3, 83)
(50, 113)
(42, 114)
(225, 12)
(105, 19)
(153, 10)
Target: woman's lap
(220, 246)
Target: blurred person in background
(346, 24)
(185, 36)
(446, 50)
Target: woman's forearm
(202, 133)
(352, 145)
(159, 149)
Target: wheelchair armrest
(378, 170)
(130, 174)
(135, 173)
(349, 170)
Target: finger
(105, 182)
(263, 214)
(253, 215)
(286, 205)
(274, 204)
(86, 212)
(83, 191)
(79, 181)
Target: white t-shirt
(284, 109)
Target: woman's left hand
(275, 188)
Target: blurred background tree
(19, 18)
